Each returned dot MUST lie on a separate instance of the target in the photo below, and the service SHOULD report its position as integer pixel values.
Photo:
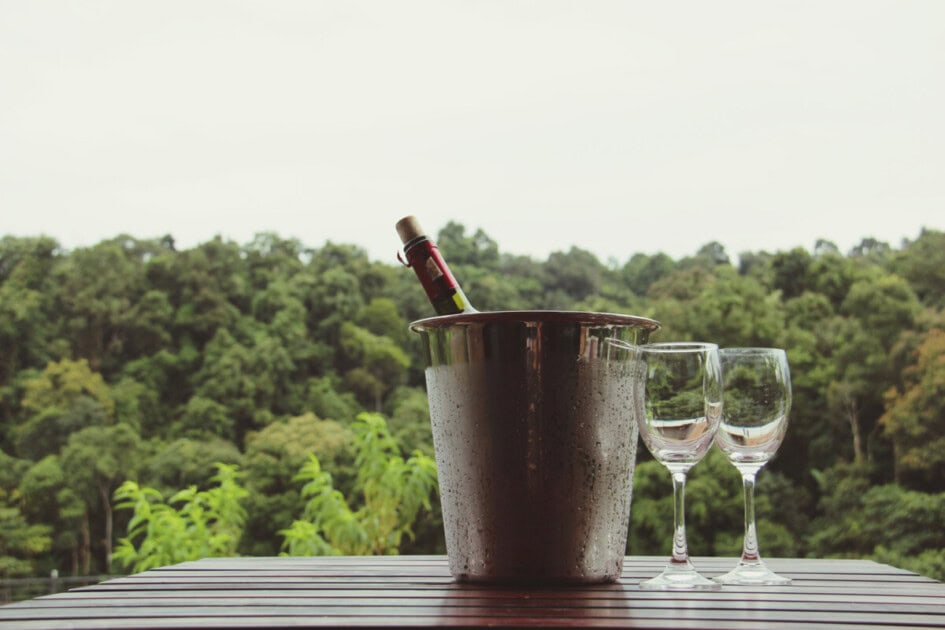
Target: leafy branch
(394, 490)
(207, 523)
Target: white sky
(620, 127)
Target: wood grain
(417, 591)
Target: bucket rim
(590, 318)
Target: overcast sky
(620, 127)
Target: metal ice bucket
(535, 442)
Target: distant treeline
(133, 360)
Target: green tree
(807, 338)
(252, 381)
(878, 307)
(180, 463)
(378, 363)
(270, 258)
(231, 340)
(207, 523)
(526, 279)
(872, 250)
(380, 317)
(641, 271)
(885, 522)
(325, 400)
(67, 397)
(155, 387)
(712, 253)
(100, 293)
(334, 299)
(729, 309)
(922, 263)
(410, 419)
(791, 272)
(26, 299)
(683, 284)
(280, 307)
(577, 273)
(756, 265)
(148, 324)
(832, 275)
(884, 303)
(48, 498)
(478, 250)
(20, 541)
(915, 417)
(63, 383)
(394, 490)
(273, 457)
(95, 460)
(207, 287)
(205, 418)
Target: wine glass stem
(680, 549)
(750, 553)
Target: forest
(158, 403)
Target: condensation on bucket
(535, 444)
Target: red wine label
(434, 275)
(432, 270)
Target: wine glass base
(679, 577)
(756, 573)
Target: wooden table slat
(418, 591)
(802, 595)
(315, 604)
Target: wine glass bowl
(757, 401)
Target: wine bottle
(438, 281)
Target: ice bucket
(535, 442)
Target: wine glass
(677, 405)
(757, 396)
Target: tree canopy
(135, 367)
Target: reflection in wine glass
(757, 385)
(677, 405)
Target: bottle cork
(409, 229)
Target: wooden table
(416, 591)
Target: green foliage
(714, 510)
(576, 273)
(477, 250)
(273, 457)
(915, 417)
(26, 296)
(47, 498)
(791, 272)
(62, 384)
(66, 397)
(380, 317)
(97, 457)
(182, 462)
(922, 264)
(929, 562)
(886, 522)
(206, 523)
(132, 359)
(379, 364)
(641, 271)
(410, 419)
(19, 540)
(394, 490)
(325, 401)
